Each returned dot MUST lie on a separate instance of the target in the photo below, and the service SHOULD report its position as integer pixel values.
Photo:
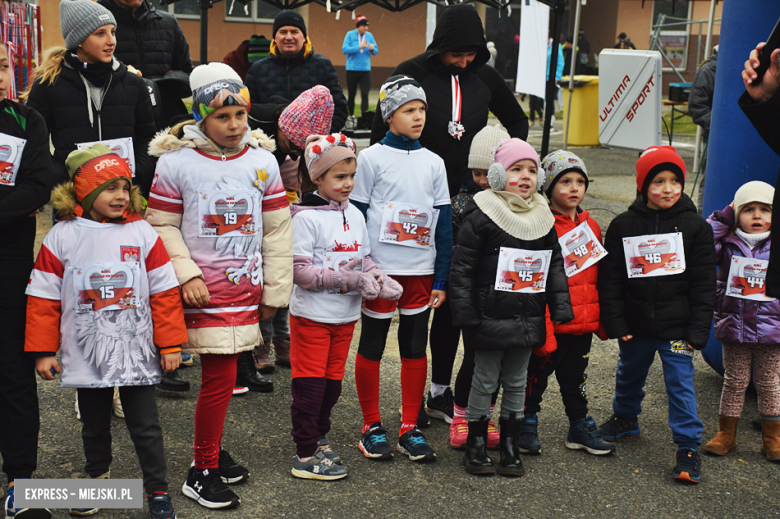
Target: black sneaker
(583, 434)
(206, 487)
(247, 375)
(173, 382)
(373, 444)
(528, 441)
(230, 471)
(617, 428)
(160, 506)
(688, 465)
(318, 467)
(413, 444)
(442, 406)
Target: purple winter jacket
(741, 320)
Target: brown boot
(262, 357)
(726, 439)
(770, 439)
(282, 351)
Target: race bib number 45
(226, 213)
(523, 271)
(747, 279)
(580, 249)
(106, 286)
(408, 224)
(654, 255)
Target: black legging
(536, 105)
(355, 78)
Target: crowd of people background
(249, 232)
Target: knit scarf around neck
(95, 73)
(524, 219)
(752, 239)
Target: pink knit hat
(325, 151)
(309, 114)
(511, 151)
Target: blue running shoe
(11, 512)
(160, 506)
(413, 444)
(583, 434)
(688, 465)
(374, 443)
(617, 428)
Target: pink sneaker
(459, 432)
(493, 436)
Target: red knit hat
(654, 160)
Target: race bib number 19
(106, 286)
(580, 249)
(747, 279)
(523, 271)
(226, 213)
(654, 255)
(408, 225)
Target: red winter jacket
(237, 60)
(582, 286)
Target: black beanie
(289, 17)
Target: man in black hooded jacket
(458, 50)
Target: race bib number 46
(654, 255)
(747, 279)
(11, 149)
(408, 224)
(226, 213)
(523, 271)
(580, 249)
(106, 286)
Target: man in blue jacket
(359, 45)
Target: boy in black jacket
(657, 293)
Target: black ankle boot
(247, 375)
(511, 464)
(173, 382)
(476, 459)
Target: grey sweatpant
(510, 367)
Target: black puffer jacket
(290, 77)
(672, 307)
(153, 43)
(125, 112)
(700, 98)
(482, 90)
(493, 319)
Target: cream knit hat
(755, 191)
(486, 140)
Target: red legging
(218, 376)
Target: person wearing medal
(359, 45)
(453, 64)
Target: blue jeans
(277, 325)
(636, 357)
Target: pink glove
(390, 288)
(348, 279)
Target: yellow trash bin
(584, 116)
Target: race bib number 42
(106, 286)
(226, 213)
(654, 255)
(747, 279)
(523, 271)
(408, 224)
(580, 249)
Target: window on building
(257, 11)
(677, 9)
(673, 36)
(186, 8)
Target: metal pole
(549, 108)
(205, 5)
(571, 73)
(707, 50)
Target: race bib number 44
(11, 149)
(408, 224)
(523, 271)
(654, 255)
(580, 249)
(747, 279)
(106, 286)
(226, 213)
